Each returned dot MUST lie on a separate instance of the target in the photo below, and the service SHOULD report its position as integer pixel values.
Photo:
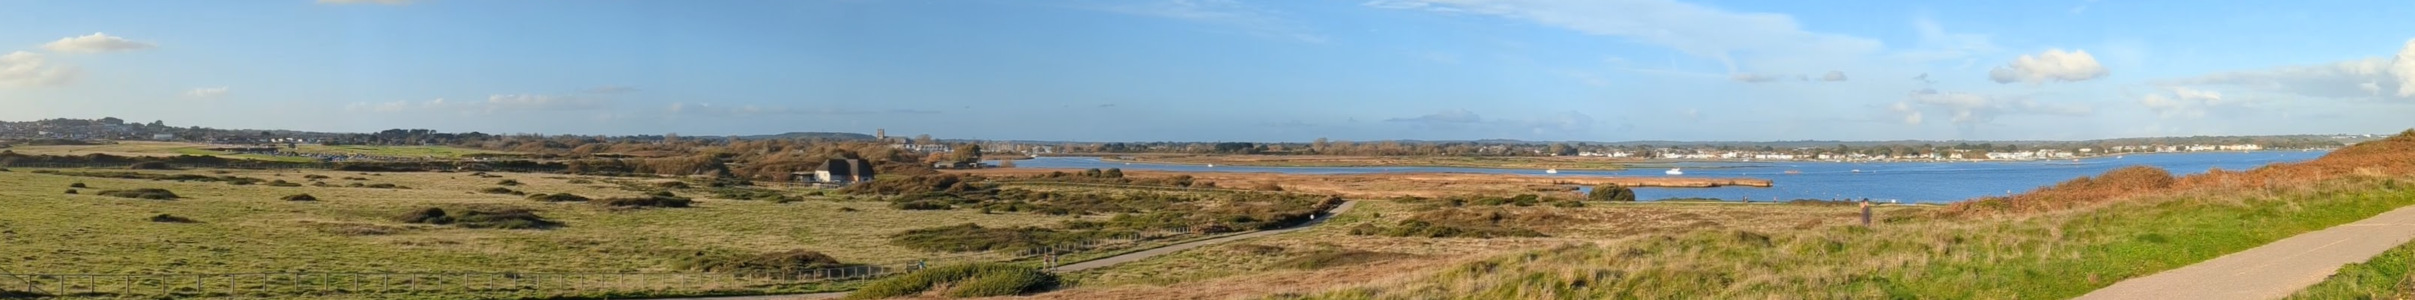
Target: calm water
(1904, 181)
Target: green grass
(2057, 255)
(2386, 276)
(248, 228)
(969, 280)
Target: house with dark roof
(844, 171)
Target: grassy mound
(508, 182)
(657, 200)
(166, 218)
(497, 190)
(1465, 223)
(481, 217)
(790, 264)
(973, 280)
(145, 193)
(562, 197)
(970, 237)
(76, 185)
(151, 165)
(299, 197)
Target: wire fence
(518, 285)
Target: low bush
(1611, 192)
(166, 218)
(151, 165)
(970, 237)
(580, 181)
(647, 201)
(385, 186)
(921, 205)
(970, 280)
(281, 183)
(71, 191)
(1268, 186)
(789, 265)
(496, 190)
(481, 217)
(299, 197)
(562, 197)
(76, 185)
(146, 193)
(508, 182)
(314, 177)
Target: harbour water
(1907, 182)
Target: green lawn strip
(2386, 276)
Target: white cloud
(385, 2)
(1252, 19)
(2377, 77)
(2183, 102)
(94, 43)
(1833, 76)
(1938, 45)
(206, 93)
(29, 69)
(1766, 40)
(2404, 68)
(1970, 110)
(2050, 66)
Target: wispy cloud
(611, 89)
(95, 43)
(1249, 19)
(709, 109)
(1732, 38)
(22, 69)
(206, 93)
(2371, 78)
(1968, 110)
(383, 2)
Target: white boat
(1211, 165)
(1551, 171)
(1675, 171)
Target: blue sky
(1226, 70)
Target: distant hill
(841, 136)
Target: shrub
(841, 209)
(969, 237)
(299, 197)
(921, 205)
(789, 264)
(385, 186)
(76, 185)
(1611, 192)
(151, 165)
(71, 191)
(314, 177)
(647, 201)
(153, 194)
(1268, 186)
(495, 190)
(282, 183)
(580, 181)
(489, 217)
(970, 280)
(562, 197)
(508, 182)
(166, 218)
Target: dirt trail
(2274, 270)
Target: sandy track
(2274, 270)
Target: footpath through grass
(2056, 255)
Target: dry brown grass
(2373, 159)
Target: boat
(1551, 171)
(1674, 171)
(1211, 165)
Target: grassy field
(1309, 260)
(1489, 162)
(246, 228)
(2386, 276)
